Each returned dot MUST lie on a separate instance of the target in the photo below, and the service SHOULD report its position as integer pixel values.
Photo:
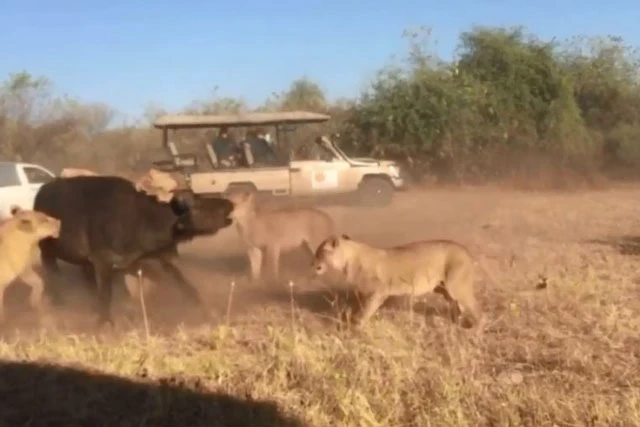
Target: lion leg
(311, 247)
(469, 305)
(373, 303)
(37, 285)
(34, 280)
(274, 256)
(255, 260)
(459, 287)
(454, 308)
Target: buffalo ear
(26, 225)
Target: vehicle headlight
(394, 171)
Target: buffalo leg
(89, 276)
(52, 277)
(117, 280)
(187, 288)
(104, 276)
(150, 274)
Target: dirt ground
(586, 244)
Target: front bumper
(399, 183)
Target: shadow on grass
(40, 394)
(625, 245)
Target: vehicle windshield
(337, 147)
(314, 151)
(36, 175)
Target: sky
(130, 53)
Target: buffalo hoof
(46, 319)
(208, 316)
(104, 320)
(54, 299)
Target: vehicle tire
(375, 191)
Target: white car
(19, 184)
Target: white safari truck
(19, 184)
(317, 168)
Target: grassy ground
(568, 355)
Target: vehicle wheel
(375, 191)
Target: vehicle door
(267, 177)
(318, 171)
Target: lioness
(416, 268)
(157, 183)
(277, 230)
(19, 236)
(153, 182)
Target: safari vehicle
(325, 171)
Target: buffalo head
(197, 215)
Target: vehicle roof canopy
(174, 121)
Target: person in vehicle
(223, 146)
(241, 158)
(262, 152)
(270, 141)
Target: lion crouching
(412, 269)
(19, 237)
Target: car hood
(364, 161)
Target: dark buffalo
(107, 225)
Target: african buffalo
(107, 225)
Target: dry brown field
(567, 355)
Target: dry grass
(568, 355)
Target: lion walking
(412, 269)
(272, 232)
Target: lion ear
(345, 237)
(333, 241)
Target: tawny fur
(71, 172)
(268, 233)
(153, 182)
(412, 269)
(158, 183)
(19, 237)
